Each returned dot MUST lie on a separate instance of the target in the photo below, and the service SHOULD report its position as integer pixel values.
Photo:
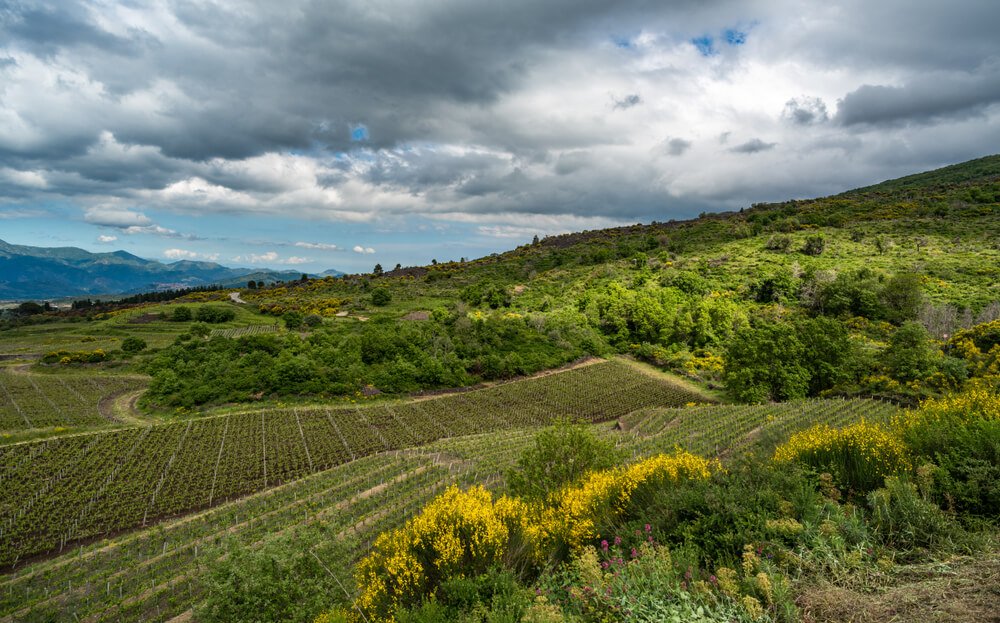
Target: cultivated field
(62, 490)
(155, 574)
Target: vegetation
(278, 454)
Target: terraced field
(154, 574)
(55, 492)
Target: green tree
(766, 363)
(292, 319)
(377, 270)
(910, 355)
(901, 298)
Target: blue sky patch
(734, 37)
(705, 45)
(359, 133)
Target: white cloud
(271, 257)
(121, 218)
(363, 250)
(179, 254)
(184, 254)
(322, 246)
(104, 239)
(293, 260)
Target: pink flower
(604, 545)
(618, 540)
(649, 528)
(635, 554)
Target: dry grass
(965, 590)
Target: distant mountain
(62, 272)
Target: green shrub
(908, 523)
(560, 455)
(133, 344)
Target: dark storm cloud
(46, 28)
(467, 107)
(753, 146)
(922, 100)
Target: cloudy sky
(338, 134)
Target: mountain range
(61, 272)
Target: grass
(958, 589)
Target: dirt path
(235, 297)
(121, 408)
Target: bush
(859, 456)
(960, 434)
(281, 581)
(181, 314)
(815, 245)
(906, 522)
(214, 314)
(133, 344)
(561, 455)
(381, 296)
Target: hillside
(28, 273)
(263, 452)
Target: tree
(910, 355)
(377, 270)
(293, 319)
(398, 267)
(534, 240)
(251, 285)
(901, 297)
(765, 363)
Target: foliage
(907, 522)
(466, 533)
(960, 435)
(381, 297)
(133, 344)
(859, 456)
(766, 363)
(560, 456)
(282, 581)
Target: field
(62, 490)
(38, 401)
(154, 574)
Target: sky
(312, 135)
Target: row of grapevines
(80, 487)
(42, 400)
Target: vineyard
(731, 429)
(30, 401)
(155, 573)
(238, 332)
(58, 491)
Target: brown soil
(144, 319)
(417, 315)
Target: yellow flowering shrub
(978, 403)
(571, 519)
(464, 533)
(459, 533)
(859, 456)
